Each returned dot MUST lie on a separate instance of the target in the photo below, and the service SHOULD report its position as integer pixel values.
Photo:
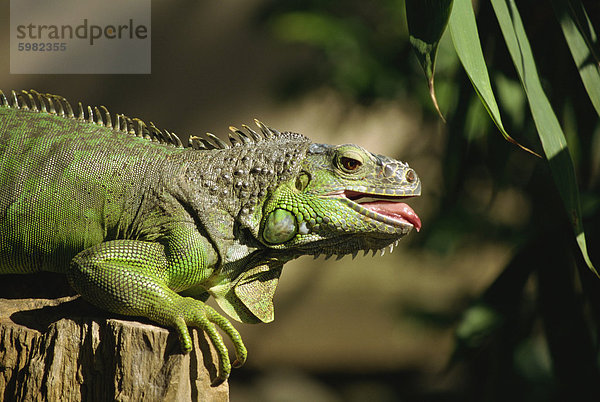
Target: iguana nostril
(411, 176)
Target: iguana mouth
(383, 208)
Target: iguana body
(138, 223)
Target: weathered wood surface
(59, 348)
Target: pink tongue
(395, 210)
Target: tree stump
(56, 347)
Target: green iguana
(143, 226)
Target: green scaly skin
(146, 227)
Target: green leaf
(549, 130)
(466, 42)
(581, 38)
(427, 20)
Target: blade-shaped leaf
(427, 20)
(582, 39)
(549, 130)
(466, 42)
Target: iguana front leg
(137, 278)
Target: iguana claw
(194, 313)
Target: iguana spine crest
(99, 115)
(237, 137)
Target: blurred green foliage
(546, 302)
(362, 48)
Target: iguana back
(68, 184)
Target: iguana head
(343, 199)
(295, 198)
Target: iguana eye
(350, 164)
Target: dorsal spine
(99, 115)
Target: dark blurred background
(491, 301)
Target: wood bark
(57, 347)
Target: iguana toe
(194, 313)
